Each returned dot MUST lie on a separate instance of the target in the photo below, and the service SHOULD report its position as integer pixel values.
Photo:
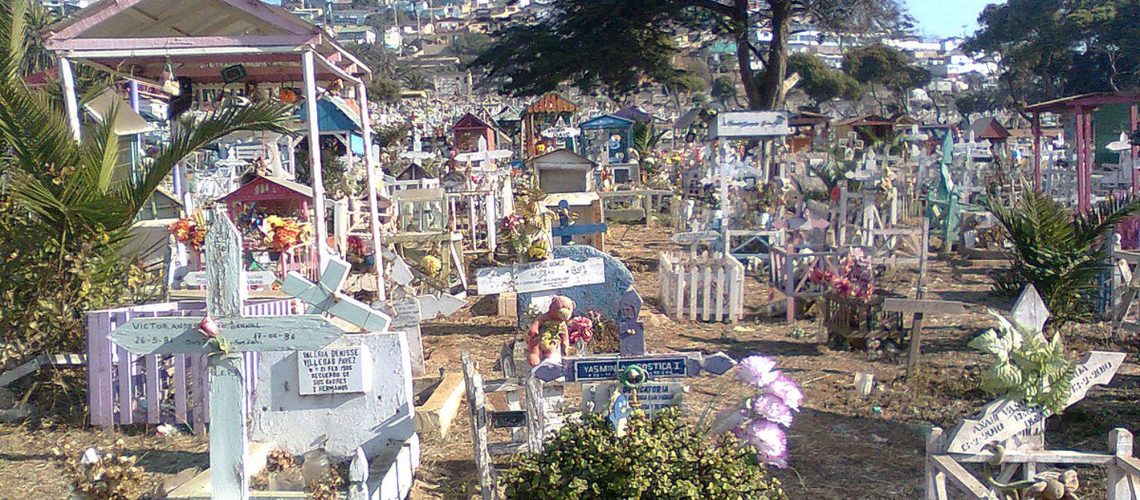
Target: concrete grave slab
(376, 420)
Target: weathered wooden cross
(566, 229)
(223, 335)
(325, 296)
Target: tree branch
(713, 5)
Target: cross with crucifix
(223, 335)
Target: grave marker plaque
(340, 370)
(1004, 418)
(539, 276)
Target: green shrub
(1059, 252)
(657, 458)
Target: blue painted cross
(566, 228)
(223, 335)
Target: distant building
(355, 34)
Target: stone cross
(325, 297)
(232, 335)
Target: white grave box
(334, 371)
(379, 417)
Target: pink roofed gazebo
(1082, 108)
(197, 39)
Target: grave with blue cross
(567, 228)
(223, 335)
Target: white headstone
(1029, 310)
(377, 419)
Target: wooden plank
(694, 282)
(536, 415)
(506, 448)
(181, 334)
(932, 480)
(721, 291)
(180, 379)
(476, 402)
(126, 387)
(679, 291)
(706, 306)
(1124, 469)
(21, 371)
(434, 417)
(153, 391)
(961, 477)
(907, 306)
(1044, 457)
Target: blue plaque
(672, 366)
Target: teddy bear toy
(548, 336)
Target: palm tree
(75, 201)
(1061, 254)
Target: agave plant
(70, 204)
(1060, 253)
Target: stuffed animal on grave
(548, 335)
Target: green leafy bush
(658, 458)
(1028, 368)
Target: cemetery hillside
(569, 249)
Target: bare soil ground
(841, 446)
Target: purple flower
(785, 388)
(758, 371)
(769, 440)
(772, 408)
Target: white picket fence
(701, 287)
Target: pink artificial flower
(757, 370)
(581, 328)
(786, 390)
(842, 286)
(772, 408)
(769, 440)
(208, 327)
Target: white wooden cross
(233, 335)
(325, 296)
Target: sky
(943, 18)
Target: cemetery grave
(418, 317)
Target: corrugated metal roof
(552, 103)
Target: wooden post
(915, 351)
(790, 282)
(1117, 479)
(225, 294)
(69, 98)
(1037, 151)
(934, 484)
(373, 209)
(475, 405)
(1133, 118)
(315, 177)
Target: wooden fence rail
(947, 472)
(702, 287)
(124, 389)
